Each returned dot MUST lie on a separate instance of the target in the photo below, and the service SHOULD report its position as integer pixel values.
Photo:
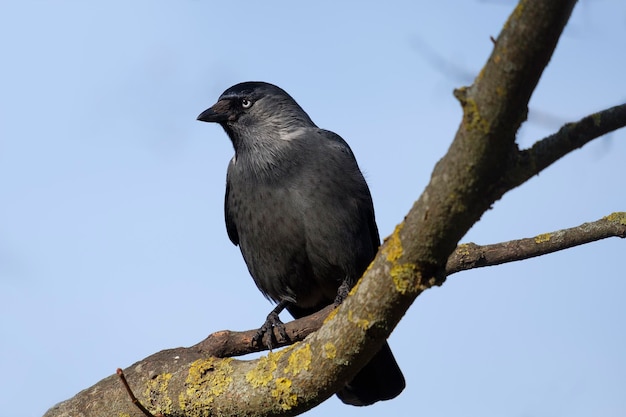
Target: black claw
(342, 292)
(272, 325)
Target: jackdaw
(302, 214)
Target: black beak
(219, 113)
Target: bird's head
(256, 111)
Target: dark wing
(373, 229)
(366, 206)
(231, 227)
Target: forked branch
(228, 343)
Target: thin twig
(134, 399)
(470, 255)
(571, 136)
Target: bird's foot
(342, 292)
(265, 335)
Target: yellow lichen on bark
(360, 322)
(619, 217)
(299, 359)
(284, 395)
(330, 350)
(330, 316)
(404, 277)
(473, 118)
(542, 238)
(393, 246)
(207, 379)
(263, 373)
(463, 249)
(156, 391)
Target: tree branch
(229, 343)
(470, 256)
(466, 181)
(466, 256)
(570, 137)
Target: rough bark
(482, 164)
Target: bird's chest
(264, 212)
(269, 220)
(272, 237)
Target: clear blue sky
(112, 239)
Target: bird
(301, 212)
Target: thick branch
(465, 182)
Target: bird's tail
(381, 379)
